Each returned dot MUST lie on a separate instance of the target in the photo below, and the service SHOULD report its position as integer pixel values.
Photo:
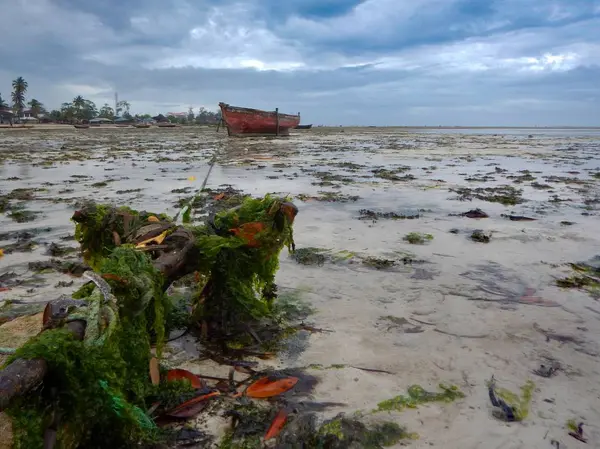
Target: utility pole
(116, 102)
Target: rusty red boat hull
(254, 122)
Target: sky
(337, 62)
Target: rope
(187, 209)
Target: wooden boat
(142, 125)
(81, 126)
(254, 122)
(304, 126)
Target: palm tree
(67, 111)
(107, 112)
(123, 105)
(3, 103)
(79, 104)
(18, 95)
(36, 107)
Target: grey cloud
(71, 47)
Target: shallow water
(466, 293)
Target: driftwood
(22, 376)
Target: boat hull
(304, 126)
(255, 122)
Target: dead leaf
(158, 240)
(267, 387)
(153, 219)
(154, 371)
(114, 277)
(193, 406)
(191, 178)
(277, 424)
(181, 374)
(47, 314)
(248, 232)
(1, 252)
(220, 196)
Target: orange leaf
(220, 196)
(266, 387)
(248, 232)
(290, 210)
(154, 371)
(153, 219)
(277, 424)
(180, 374)
(46, 315)
(192, 407)
(114, 277)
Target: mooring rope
(185, 211)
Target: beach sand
(461, 311)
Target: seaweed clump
(587, 277)
(100, 228)
(417, 238)
(418, 395)
(98, 386)
(518, 405)
(302, 431)
(507, 195)
(479, 236)
(239, 255)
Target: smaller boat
(167, 125)
(142, 125)
(81, 126)
(304, 126)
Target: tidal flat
(435, 255)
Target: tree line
(83, 110)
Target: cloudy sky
(371, 62)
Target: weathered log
(23, 375)
(181, 257)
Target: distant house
(123, 120)
(6, 115)
(100, 121)
(26, 115)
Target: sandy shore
(450, 311)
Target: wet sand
(461, 310)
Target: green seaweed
(418, 395)
(586, 277)
(104, 386)
(23, 216)
(417, 238)
(378, 263)
(344, 432)
(302, 432)
(309, 256)
(507, 195)
(519, 404)
(242, 276)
